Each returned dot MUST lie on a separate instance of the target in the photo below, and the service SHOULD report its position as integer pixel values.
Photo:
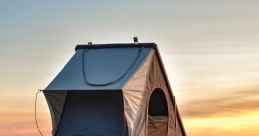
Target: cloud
(227, 103)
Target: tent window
(157, 114)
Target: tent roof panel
(102, 66)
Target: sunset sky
(210, 49)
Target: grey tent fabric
(113, 84)
(56, 101)
(101, 65)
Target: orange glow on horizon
(235, 125)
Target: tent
(113, 90)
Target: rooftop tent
(113, 90)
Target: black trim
(116, 45)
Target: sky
(210, 50)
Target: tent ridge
(116, 45)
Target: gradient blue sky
(210, 49)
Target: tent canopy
(100, 64)
(113, 90)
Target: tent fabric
(101, 66)
(56, 101)
(128, 75)
(137, 93)
(157, 125)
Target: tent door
(92, 113)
